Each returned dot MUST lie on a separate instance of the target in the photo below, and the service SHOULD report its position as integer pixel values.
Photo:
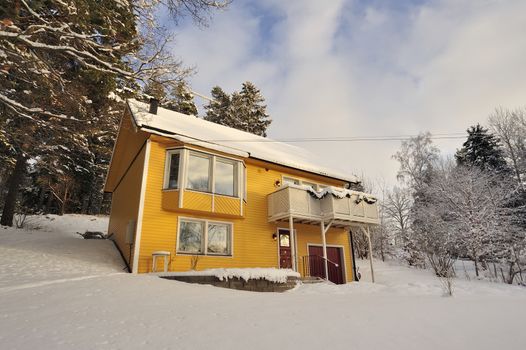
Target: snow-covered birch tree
(510, 128)
(417, 157)
(397, 206)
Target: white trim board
(295, 242)
(140, 213)
(206, 222)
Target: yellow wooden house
(209, 196)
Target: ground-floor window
(204, 237)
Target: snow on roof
(199, 132)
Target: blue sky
(365, 68)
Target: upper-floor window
(199, 172)
(172, 174)
(225, 177)
(173, 178)
(204, 172)
(311, 184)
(294, 181)
(290, 181)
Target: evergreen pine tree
(244, 110)
(250, 110)
(481, 149)
(181, 99)
(219, 109)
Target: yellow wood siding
(311, 234)
(197, 201)
(227, 205)
(170, 200)
(253, 245)
(125, 205)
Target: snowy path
(110, 310)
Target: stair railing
(314, 266)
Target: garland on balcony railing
(338, 193)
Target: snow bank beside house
(49, 249)
(269, 274)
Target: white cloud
(347, 69)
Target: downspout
(354, 272)
(126, 262)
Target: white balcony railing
(344, 206)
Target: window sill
(212, 193)
(202, 254)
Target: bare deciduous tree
(510, 127)
(397, 206)
(416, 157)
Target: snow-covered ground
(58, 291)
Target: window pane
(224, 178)
(290, 181)
(312, 185)
(198, 173)
(284, 240)
(191, 237)
(173, 177)
(219, 239)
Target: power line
(443, 136)
(202, 96)
(448, 136)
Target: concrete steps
(311, 280)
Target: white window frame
(318, 186)
(168, 160)
(205, 237)
(314, 185)
(236, 176)
(240, 173)
(294, 179)
(243, 185)
(211, 159)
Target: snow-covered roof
(199, 132)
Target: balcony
(343, 207)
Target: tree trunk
(85, 204)
(41, 199)
(13, 188)
(62, 209)
(49, 203)
(476, 267)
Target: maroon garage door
(317, 265)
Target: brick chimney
(154, 104)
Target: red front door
(335, 264)
(285, 253)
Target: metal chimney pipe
(154, 105)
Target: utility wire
(450, 136)
(444, 136)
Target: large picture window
(204, 237)
(199, 171)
